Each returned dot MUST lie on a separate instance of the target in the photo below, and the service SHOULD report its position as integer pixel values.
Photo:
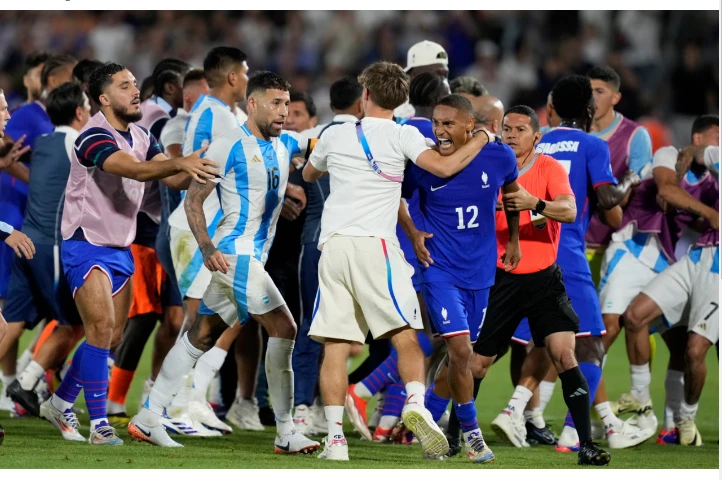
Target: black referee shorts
(538, 296)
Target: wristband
(5, 230)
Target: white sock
(362, 391)
(674, 388)
(472, 434)
(687, 411)
(546, 390)
(535, 416)
(24, 360)
(569, 436)
(206, 368)
(279, 372)
(334, 419)
(59, 403)
(94, 423)
(176, 365)
(641, 378)
(31, 375)
(518, 401)
(6, 380)
(388, 422)
(417, 390)
(609, 419)
(114, 408)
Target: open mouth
(445, 144)
(278, 125)
(135, 102)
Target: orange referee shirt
(543, 178)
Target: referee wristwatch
(540, 206)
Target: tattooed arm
(193, 204)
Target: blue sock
(384, 375)
(593, 374)
(435, 404)
(72, 383)
(395, 400)
(425, 344)
(95, 381)
(467, 416)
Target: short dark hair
(195, 75)
(307, 101)
(458, 102)
(387, 83)
(704, 122)
(469, 85)
(529, 112)
(101, 78)
(264, 80)
(345, 92)
(219, 60)
(84, 68)
(165, 71)
(33, 59)
(571, 96)
(426, 89)
(53, 64)
(63, 101)
(605, 74)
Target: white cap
(426, 53)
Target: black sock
(576, 396)
(454, 426)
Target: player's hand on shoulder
(512, 256)
(200, 169)
(418, 240)
(21, 244)
(633, 177)
(519, 201)
(214, 260)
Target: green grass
(31, 443)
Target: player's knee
(564, 359)
(480, 365)
(633, 319)
(611, 325)
(460, 355)
(696, 349)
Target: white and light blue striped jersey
(209, 119)
(645, 246)
(253, 184)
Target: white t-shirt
(666, 157)
(362, 203)
(174, 130)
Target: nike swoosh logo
(286, 447)
(96, 395)
(437, 188)
(78, 386)
(147, 434)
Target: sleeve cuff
(5, 230)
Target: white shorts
(694, 278)
(245, 289)
(193, 277)
(623, 276)
(364, 284)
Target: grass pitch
(32, 443)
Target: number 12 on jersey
(473, 211)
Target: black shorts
(539, 296)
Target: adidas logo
(255, 159)
(578, 393)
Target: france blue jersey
(586, 160)
(461, 213)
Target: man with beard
(112, 159)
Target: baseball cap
(426, 53)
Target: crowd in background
(668, 61)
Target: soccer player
(81, 73)
(111, 160)
(345, 96)
(211, 116)
(535, 289)
(587, 162)
(358, 231)
(255, 161)
(37, 290)
(425, 90)
(630, 148)
(693, 279)
(456, 289)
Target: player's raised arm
(193, 204)
(160, 167)
(610, 195)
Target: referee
(535, 289)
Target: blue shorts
(455, 311)
(33, 294)
(410, 257)
(13, 197)
(81, 257)
(522, 334)
(585, 302)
